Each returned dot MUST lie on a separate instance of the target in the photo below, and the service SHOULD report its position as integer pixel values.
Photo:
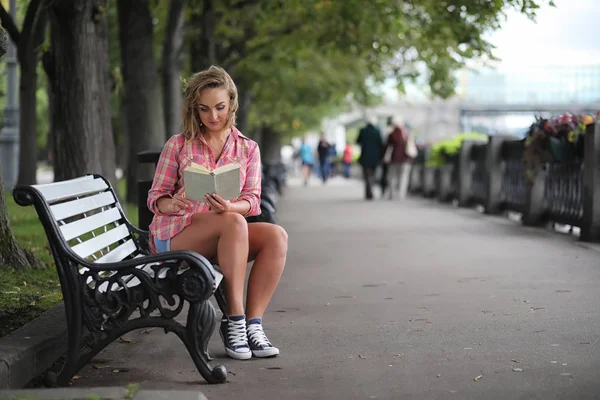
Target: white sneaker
(258, 341)
(235, 339)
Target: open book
(199, 181)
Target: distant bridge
(494, 109)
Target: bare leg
(305, 173)
(226, 237)
(405, 179)
(268, 249)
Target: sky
(568, 34)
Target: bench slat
(100, 242)
(76, 207)
(80, 179)
(70, 189)
(119, 253)
(85, 225)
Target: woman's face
(214, 108)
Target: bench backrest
(85, 215)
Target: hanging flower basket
(555, 140)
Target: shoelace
(257, 335)
(236, 333)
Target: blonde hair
(213, 77)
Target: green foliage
(306, 59)
(442, 151)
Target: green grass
(25, 294)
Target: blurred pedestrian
(371, 143)
(402, 150)
(347, 160)
(324, 153)
(307, 159)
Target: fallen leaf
(147, 331)
(100, 366)
(123, 340)
(517, 369)
(24, 283)
(76, 377)
(478, 377)
(515, 361)
(362, 357)
(115, 371)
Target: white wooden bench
(111, 284)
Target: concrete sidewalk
(402, 300)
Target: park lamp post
(9, 136)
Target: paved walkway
(403, 300)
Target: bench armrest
(196, 276)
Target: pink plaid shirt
(168, 178)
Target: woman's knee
(235, 222)
(279, 240)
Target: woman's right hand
(177, 203)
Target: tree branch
(32, 16)
(9, 25)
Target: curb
(30, 350)
(106, 393)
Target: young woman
(217, 228)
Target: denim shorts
(162, 245)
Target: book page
(228, 181)
(197, 184)
(198, 167)
(225, 168)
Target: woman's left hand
(217, 203)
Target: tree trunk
(145, 117)
(28, 60)
(270, 146)
(80, 57)
(3, 42)
(203, 52)
(244, 100)
(172, 64)
(11, 252)
(57, 124)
